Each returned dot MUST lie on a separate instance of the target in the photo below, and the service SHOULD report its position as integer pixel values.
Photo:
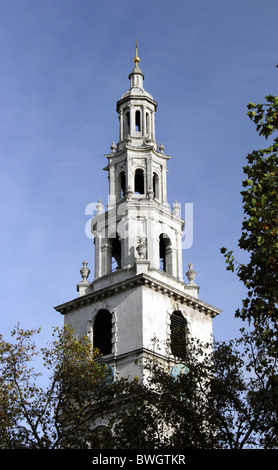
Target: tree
(227, 398)
(244, 394)
(260, 229)
(56, 416)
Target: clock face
(179, 369)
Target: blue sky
(64, 64)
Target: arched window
(127, 123)
(165, 253)
(122, 183)
(139, 182)
(116, 253)
(102, 332)
(101, 438)
(162, 259)
(137, 121)
(178, 341)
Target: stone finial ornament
(113, 147)
(150, 194)
(141, 248)
(99, 207)
(85, 271)
(129, 193)
(176, 208)
(191, 274)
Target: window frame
(178, 339)
(102, 332)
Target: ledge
(134, 281)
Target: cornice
(134, 281)
(133, 151)
(133, 96)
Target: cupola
(136, 110)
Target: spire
(136, 70)
(136, 110)
(136, 58)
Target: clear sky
(64, 64)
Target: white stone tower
(138, 292)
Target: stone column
(149, 178)
(97, 256)
(143, 121)
(121, 133)
(129, 176)
(164, 185)
(132, 121)
(106, 258)
(153, 127)
(112, 184)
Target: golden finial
(136, 58)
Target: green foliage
(227, 400)
(61, 414)
(260, 229)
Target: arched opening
(102, 332)
(138, 121)
(178, 326)
(116, 253)
(122, 184)
(162, 258)
(165, 253)
(101, 438)
(139, 182)
(127, 123)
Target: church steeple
(137, 201)
(138, 290)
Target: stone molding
(135, 281)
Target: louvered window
(103, 332)
(178, 335)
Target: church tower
(138, 293)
